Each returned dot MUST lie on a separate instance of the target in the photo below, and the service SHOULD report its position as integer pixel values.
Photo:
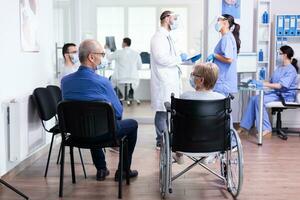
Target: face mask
(103, 64)
(192, 81)
(218, 27)
(279, 61)
(74, 58)
(174, 25)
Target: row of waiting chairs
(79, 122)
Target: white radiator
(25, 133)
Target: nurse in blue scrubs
(225, 54)
(283, 79)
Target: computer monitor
(247, 62)
(110, 42)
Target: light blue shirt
(86, 85)
(227, 80)
(286, 76)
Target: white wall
(21, 72)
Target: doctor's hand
(211, 58)
(183, 57)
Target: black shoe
(132, 174)
(158, 145)
(101, 174)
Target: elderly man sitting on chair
(86, 85)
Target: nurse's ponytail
(295, 64)
(285, 49)
(235, 29)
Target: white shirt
(127, 63)
(66, 70)
(165, 73)
(201, 95)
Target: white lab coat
(165, 72)
(127, 63)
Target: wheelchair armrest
(168, 106)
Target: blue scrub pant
(252, 112)
(126, 127)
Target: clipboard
(192, 60)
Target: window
(110, 22)
(141, 27)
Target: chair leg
(61, 178)
(126, 162)
(280, 133)
(72, 165)
(121, 168)
(58, 157)
(49, 155)
(80, 155)
(13, 189)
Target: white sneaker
(178, 157)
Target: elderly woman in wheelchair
(199, 127)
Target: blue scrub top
(227, 80)
(286, 76)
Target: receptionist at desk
(283, 79)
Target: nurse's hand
(258, 84)
(210, 58)
(183, 57)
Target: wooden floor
(272, 171)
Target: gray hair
(86, 47)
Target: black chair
(13, 189)
(277, 107)
(46, 107)
(55, 92)
(145, 56)
(198, 128)
(90, 125)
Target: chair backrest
(200, 125)
(55, 92)
(45, 104)
(87, 119)
(145, 56)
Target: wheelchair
(197, 128)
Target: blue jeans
(160, 122)
(126, 127)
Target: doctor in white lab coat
(165, 71)
(127, 63)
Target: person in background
(70, 54)
(86, 85)
(165, 71)
(202, 79)
(283, 79)
(127, 63)
(225, 54)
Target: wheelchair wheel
(164, 165)
(234, 166)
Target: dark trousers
(126, 127)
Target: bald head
(88, 47)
